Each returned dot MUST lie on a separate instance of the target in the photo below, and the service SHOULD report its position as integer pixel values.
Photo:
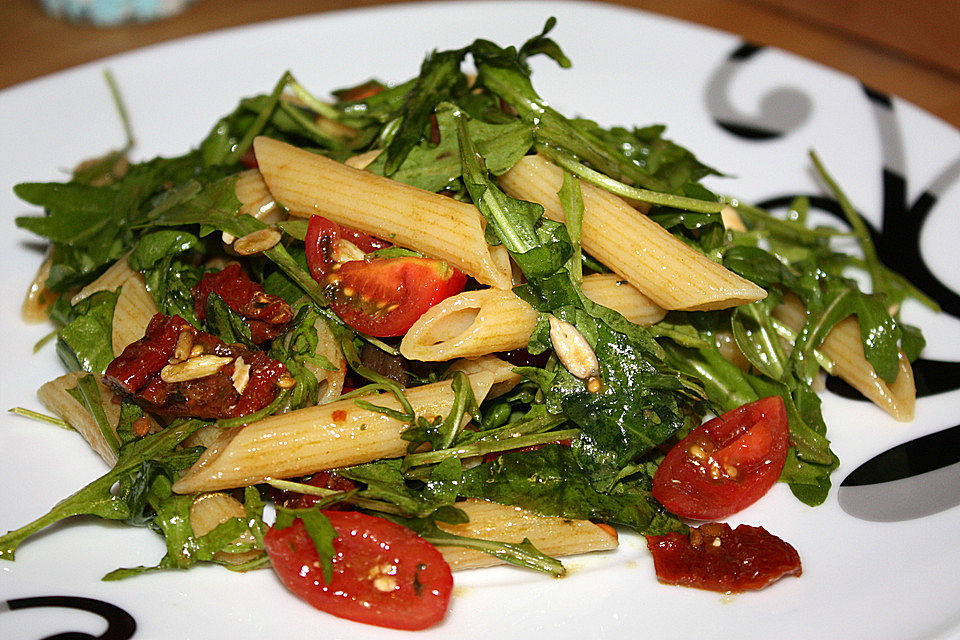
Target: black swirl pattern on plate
(120, 624)
(781, 110)
(897, 239)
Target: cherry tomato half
(725, 464)
(383, 573)
(381, 297)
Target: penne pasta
(38, 298)
(613, 292)
(504, 377)
(330, 381)
(211, 509)
(135, 306)
(337, 434)
(438, 226)
(55, 396)
(552, 535)
(476, 323)
(672, 274)
(843, 346)
(255, 200)
(470, 324)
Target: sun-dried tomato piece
(718, 558)
(176, 370)
(320, 479)
(266, 315)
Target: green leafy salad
(232, 347)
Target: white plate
(861, 579)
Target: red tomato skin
(381, 297)
(323, 236)
(407, 287)
(321, 246)
(718, 558)
(363, 241)
(363, 546)
(727, 463)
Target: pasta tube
(330, 381)
(135, 306)
(55, 396)
(440, 227)
(255, 200)
(643, 253)
(211, 509)
(552, 535)
(476, 323)
(845, 349)
(38, 298)
(470, 324)
(336, 434)
(504, 377)
(613, 292)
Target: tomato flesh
(718, 558)
(383, 573)
(384, 297)
(727, 463)
(381, 297)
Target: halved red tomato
(381, 297)
(725, 464)
(383, 573)
(322, 246)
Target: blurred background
(909, 48)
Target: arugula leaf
(385, 481)
(444, 433)
(440, 78)
(168, 276)
(86, 343)
(225, 323)
(97, 498)
(76, 212)
(437, 166)
(538, 245)
(87, 393)
(549, 481)
(296, 349)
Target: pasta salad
(442, 318)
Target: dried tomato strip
(245, 382)
(320, 479)
(717, 558)
(266, 315)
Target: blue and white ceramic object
(111, 12)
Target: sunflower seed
(573, 350)
(199, 367)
